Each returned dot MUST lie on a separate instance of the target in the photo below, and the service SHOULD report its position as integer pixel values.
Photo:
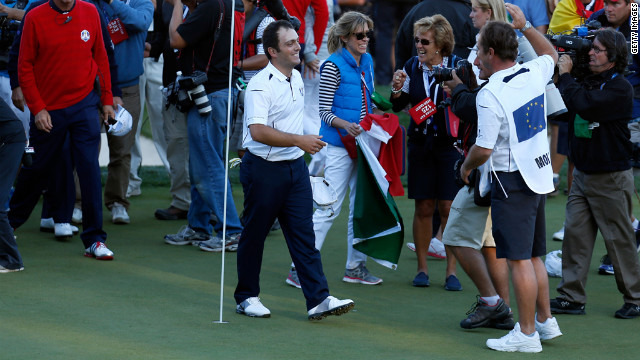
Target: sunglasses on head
(361, 35)
(424, 42)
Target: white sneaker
(4, 270)
(549, 329)
(99, 251)
(253, 307)
(330, 306)
(515, 340)
(76, 217)
(119, 214)
(63, 231)
(559, 235)
(436, 249)
(133, 192)
(47, 225)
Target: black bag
(477, 199)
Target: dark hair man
(62, 58)
(204, 40)
(602, 190)
(512, 136)
(275, 179)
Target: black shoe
(506, 323)
(605, 268)
(628, 311)
(481, 314)
(171, 213)
(559, 306)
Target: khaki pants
(599, 202)
(115, 189)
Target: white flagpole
(226, 161)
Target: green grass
(156, 301)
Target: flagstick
(226, 162)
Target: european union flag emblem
(530, 118)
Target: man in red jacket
(64, 75)
(298, 8)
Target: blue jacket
(136, 16)
(347, 101)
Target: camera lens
(199, 97)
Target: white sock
(635, 224)
(491, 300)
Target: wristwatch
(526, 27)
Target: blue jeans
(207, 135)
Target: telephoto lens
(199, 97)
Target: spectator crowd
(498, 96)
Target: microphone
(67, 20)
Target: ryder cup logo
(84, 35)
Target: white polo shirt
(512, 121)
(493, 127)
(273, 100)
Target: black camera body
(577, 45)
(8, 30)
(188, 90)
(464, 71)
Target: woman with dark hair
(346, 85)
(431, 152)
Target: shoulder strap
(216, 35)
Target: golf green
(156, 301)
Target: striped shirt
(329, 83)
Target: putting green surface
(157, 301)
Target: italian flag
(377, 224)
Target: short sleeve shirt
(276, 101)
(493, 125)
(198, 31)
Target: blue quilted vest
(347, 101)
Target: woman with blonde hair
(346, 85)
(431, 154)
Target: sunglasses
(424, 42)
(361, 35)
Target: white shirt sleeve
(488, 120)
(545, 65)
(256, 105)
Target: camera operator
(617, 15)
(602, 189)
(203, 39)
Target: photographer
(203, 39)
(601, 193)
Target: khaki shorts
(469, 225)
